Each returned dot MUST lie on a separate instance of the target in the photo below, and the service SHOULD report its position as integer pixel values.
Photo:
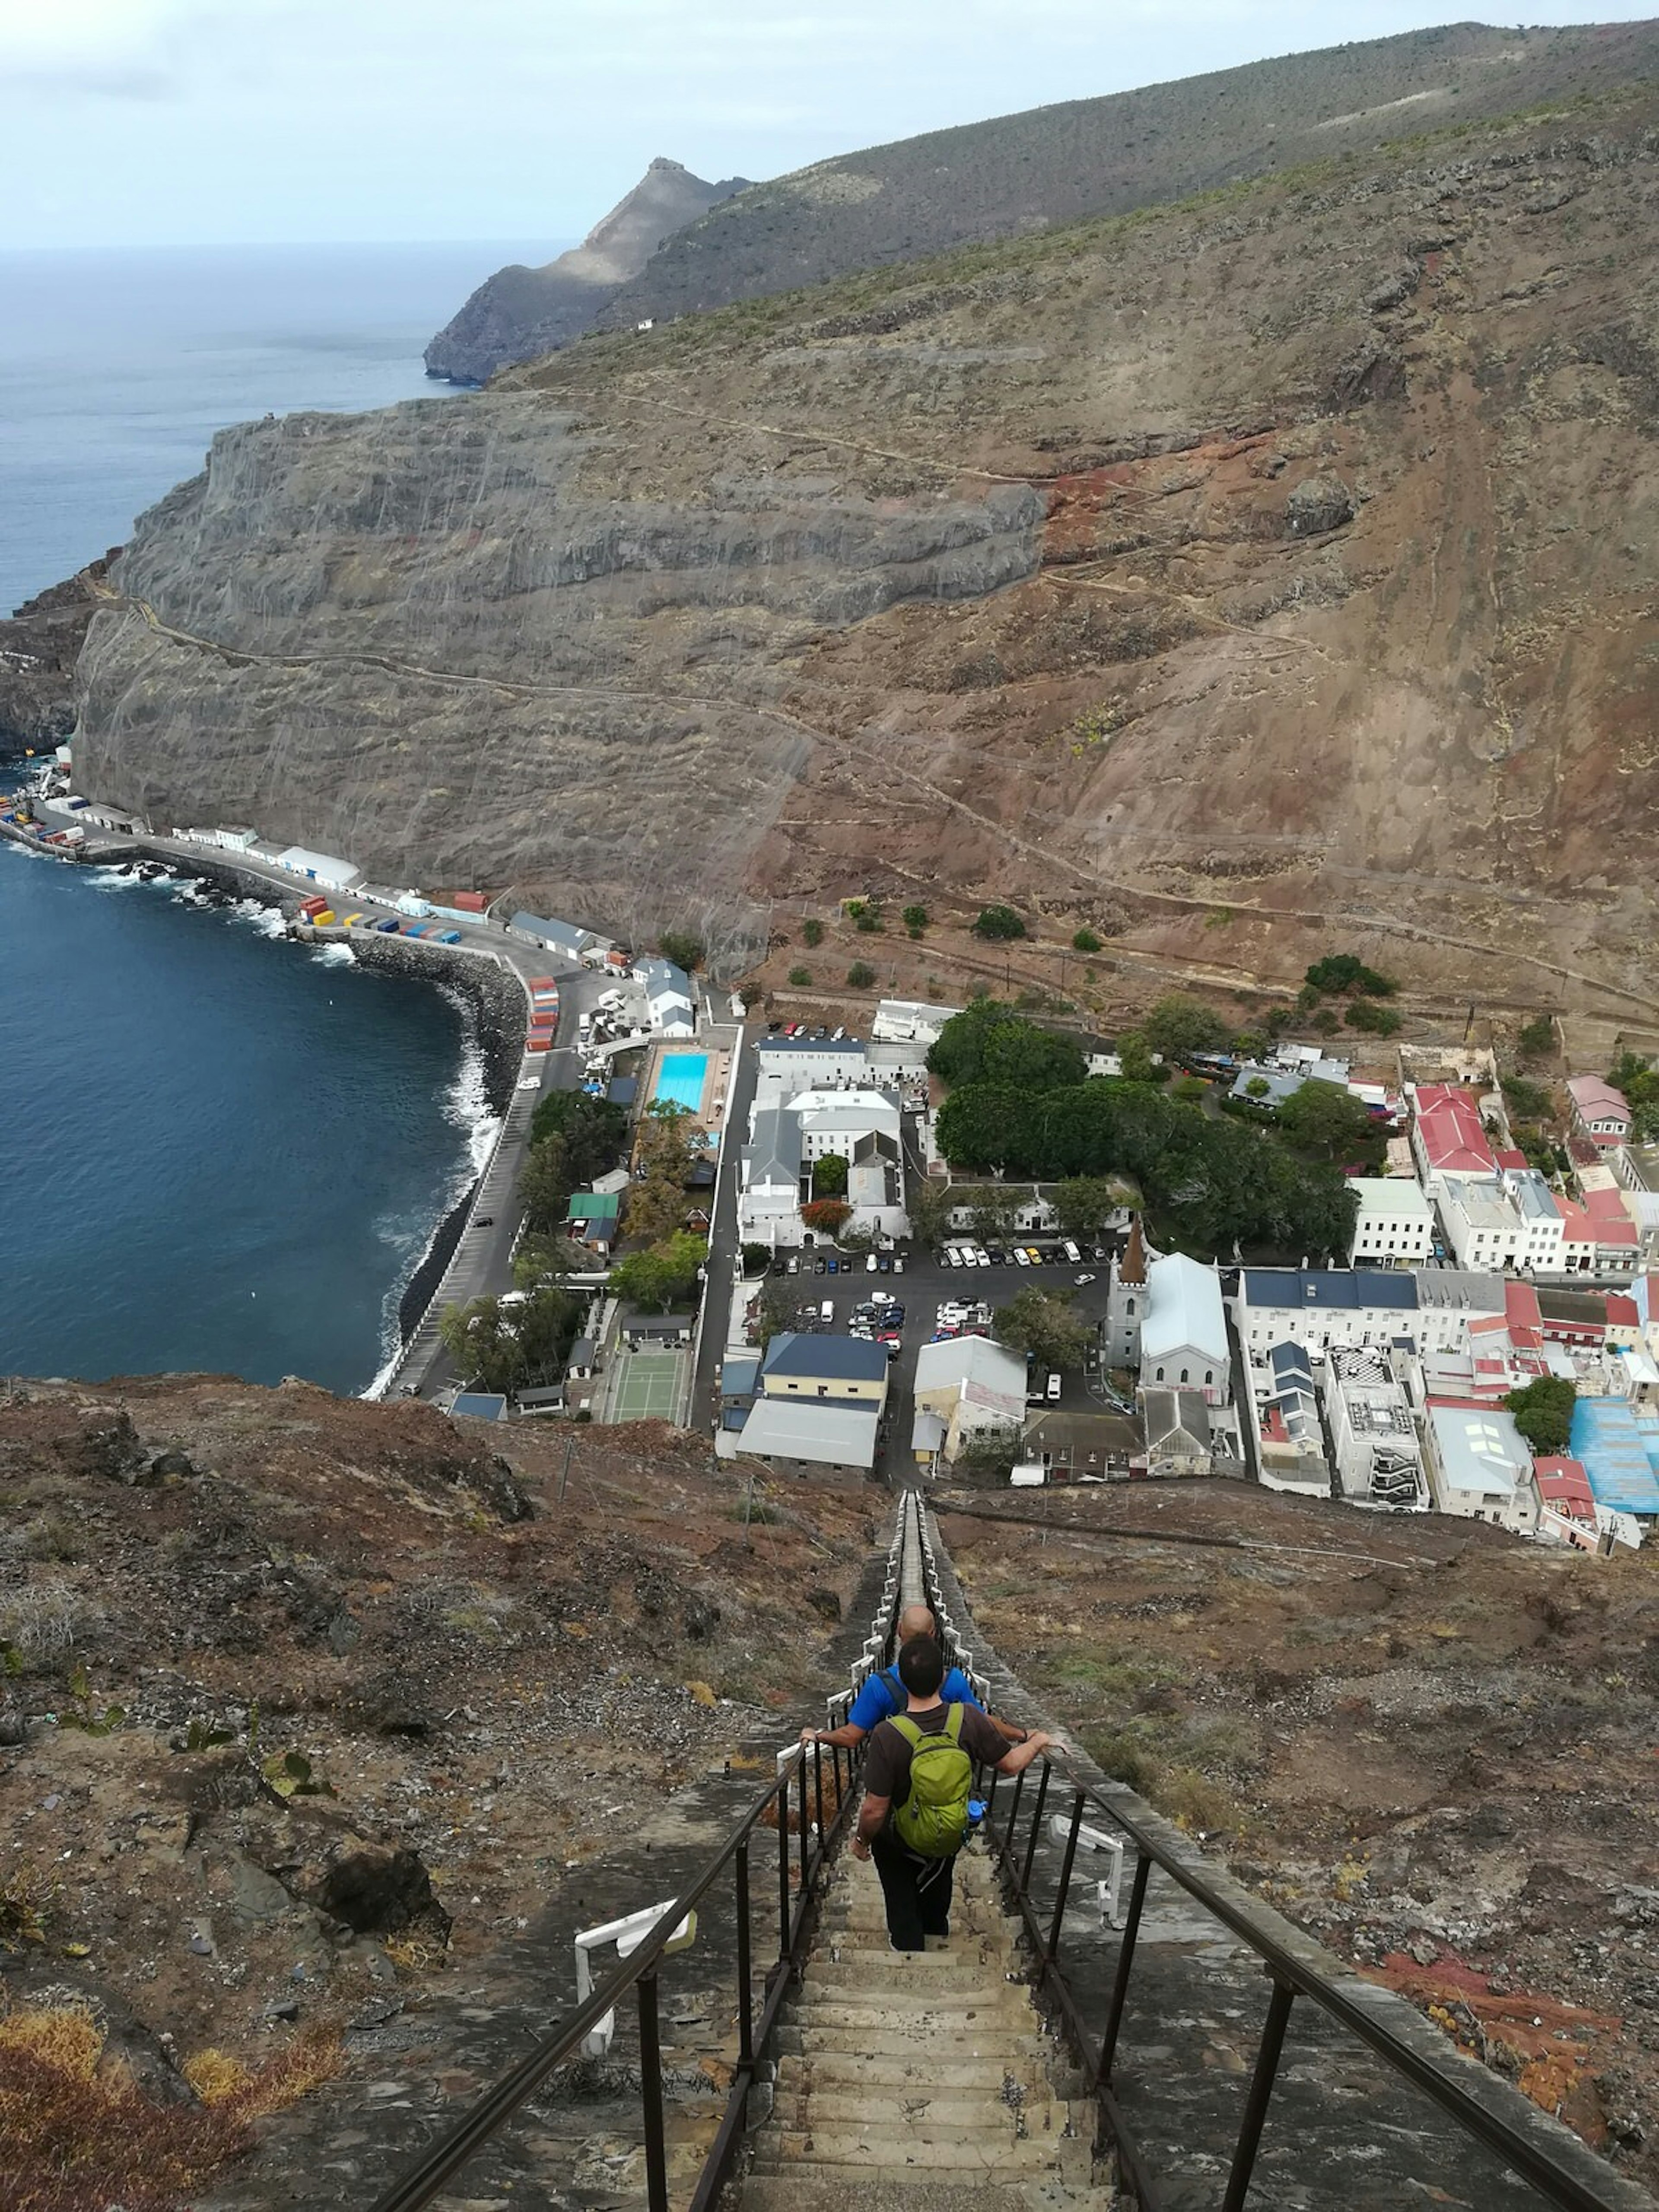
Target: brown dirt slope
(305, 1703)
(1430, 1744)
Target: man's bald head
(916, 1620)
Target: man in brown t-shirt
(917, 1889)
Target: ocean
(228, 1153)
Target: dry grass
(80, 2137)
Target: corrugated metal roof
(807, 1428)
(1183, 1308)
(826, 1359)
(1285, 1288)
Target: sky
(134, 123)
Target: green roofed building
(594, 1215)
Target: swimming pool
(680, 1078)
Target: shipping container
(352, 919)
(449, 936)
(75, 804)
(324, 919)
(538, 1044)
(542, 983)
(312, 907)
(471, 902)
(385, 928)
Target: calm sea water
(228, 1153)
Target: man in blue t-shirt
(883, 1694)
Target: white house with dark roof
(812, 1063)
(768, 1198)
(1183, 1329)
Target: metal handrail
(429, 2173)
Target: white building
(1317, 1307)
(1542, 1230)
(790, 1129)
(671, 1002)
(839, 1120)
(1183, 1329)
(973, 1385)
(320, 868)
(909, 1021)
(1393, 1226)
(769, 1199)
(1483, 1229)
(1479, 1466)
(1379, 1460)
(812, 1063)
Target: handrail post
(782, 1803)
(1065, 1879)
(656, 2153)
(745, 1989)
(817, 1788)
(1126, 1959)
(1013, 1810)
(1036, 1824)
(1261, 2090)
(805, 1831)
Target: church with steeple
(1126, 1303)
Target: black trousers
(917, 1891)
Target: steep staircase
(920, 2081)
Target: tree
(482, 1344)
(992, 1210)
(830, 1176)
(1632, 1075)
(1179, 1026)
(543, 1259)
(545, 1184)
(1258, 1087)
(989, 1454)
(1189, 1087)
(928, 1204)
(1537, 1038)
(680, 947)
(860, 975)
(1340, 972)
(989, 1042)
(1042, 1324)
(1523, 1096)
(593, 1130)
(1543, 1413)
(1086, 940)
(800, 979)
(1379, 1021)
(1135, 1058)
(774, 1311)
(1085, 1204)
(669, 1139)
(811, 930)
(757, 1258)
(855, 1240)
(1327, 1119)
(998, 924)
(656, 1208)
(663, 1275)
(826, 1215)
(916, 919)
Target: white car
(871, 1265)
(1083, 1279)
(1022, 1257)
(1071, 1252)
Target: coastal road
(723, 1239)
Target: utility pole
(565, 1475)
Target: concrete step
(889, 2154)
(987, 2117)
(919, 2044)
(951, 2014)
(798, 2191)
(943, 2077)
(886, 1973)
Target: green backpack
(933, 1819)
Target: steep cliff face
(39, 647)
(519, 312)
(1227, 577)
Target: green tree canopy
(1378, 1021)
(664, 1275)
(1338, 973)
(998, 924)
(1327, 1119)
(1178, 1026)
(928, 1204)
(1043, 1323)
(593, 1130)
(1085, 1204)
(989, 1042)
(1543, 1413)
(544, 1259)
(1537, 1038)
(682, 948)
(545, 1184)
(830, 1176)
(1632, 1074)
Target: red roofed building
(1597, 1235)
(1568, 1505)
(1446, 1133)
(1602, 1113)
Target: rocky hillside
(519, 312)
(1222, 576)
(39, 647)
(307, 1706)
(1022, 172)
(1428, 1743)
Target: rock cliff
(1227, 575)
(39, 647)
(519, 312)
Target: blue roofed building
(1318, 1307)
(1618, 1449)
(480, 1405)
(848, 1369)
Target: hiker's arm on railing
(847, 1737)
(1018, 1756)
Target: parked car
(1084, 1278)
(884, 1264)
(898, 1263)
(834, 1265)
(1071, 1252)
(795, 1264)
(1053, 1390)
(1022, 1257)
(871, 1264)
(819, 1266)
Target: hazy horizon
(188, 124)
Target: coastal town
(790, 1235)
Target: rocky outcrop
(38, 649)
(1016, 174)
(521, 312)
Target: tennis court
(648, 1388)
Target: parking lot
(926, 1282)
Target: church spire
(1131, 1272)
